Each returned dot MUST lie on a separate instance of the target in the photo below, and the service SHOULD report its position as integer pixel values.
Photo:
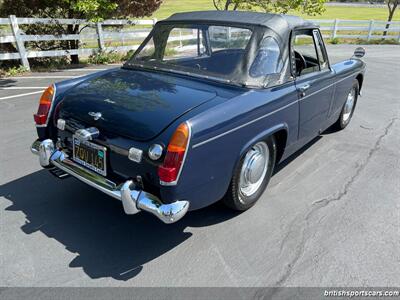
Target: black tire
(234, 198)
(342, 122)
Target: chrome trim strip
(243, 125)
(51, 108)
(183, 161)
(267, 115)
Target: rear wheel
(252, 175)
(348, 108)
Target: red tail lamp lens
(169, 170)
(44, 106)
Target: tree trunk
(392, 9)
(215, 4)
(224, 4)
(227, 3)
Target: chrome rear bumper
(133, 200)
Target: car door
(314, 81)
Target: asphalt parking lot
(330, 217)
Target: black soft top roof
(279, 23)
(262, 25)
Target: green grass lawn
(362, 13)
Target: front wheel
(348, 108)
(252, 175)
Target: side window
(268, 59)
(305, 54)
(323, 59)
(148, 52)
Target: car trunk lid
(132, 103)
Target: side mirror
(359, 52)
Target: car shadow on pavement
(108, 243)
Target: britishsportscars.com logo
(361, 293)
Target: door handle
(303, 89)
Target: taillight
(44, 106)
(170, 169)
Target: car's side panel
(223, 133)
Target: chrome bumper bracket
(133, 200)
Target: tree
(309, 7)
(392, 5)
(93, 10)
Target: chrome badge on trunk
(96, 115)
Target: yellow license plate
(90, 155)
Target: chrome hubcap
(254, 169)
(348, 106)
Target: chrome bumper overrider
(133, 200)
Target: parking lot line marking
(20, 95)
(23, 88)
(42, 77)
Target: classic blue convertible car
(204, 110)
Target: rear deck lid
(132, 103)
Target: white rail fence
(19, 38)
(359, 29)
(348, 29)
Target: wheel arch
(280, 133)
